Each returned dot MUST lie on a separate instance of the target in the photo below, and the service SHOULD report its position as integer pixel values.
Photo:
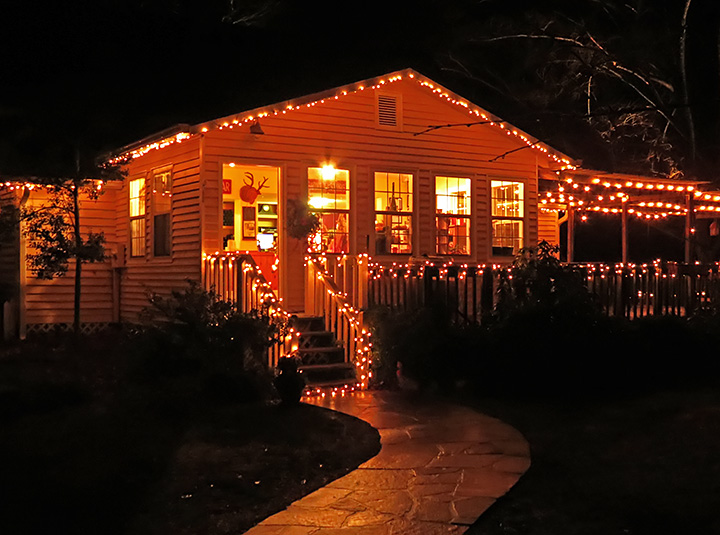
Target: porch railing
(470, 293)
(237, 278)
(324, 298)
(657, 289)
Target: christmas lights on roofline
(252, 117)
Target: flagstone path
(440, 467)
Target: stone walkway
(440, 467)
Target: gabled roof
(476, 114)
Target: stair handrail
(235, 277)
(324, 298)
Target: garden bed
(87, 449)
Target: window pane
(393, 192)
(162, 192)
(452, 195)
(328, 188)
(507, 198)
(393, 234)
(161, 235)
(137, 237)
(333, 234)
(507, 236)
(137, 197)
(452, 235)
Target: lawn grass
(643, 465)
(85, 449)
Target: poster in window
(249, 227)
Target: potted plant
(289, 382)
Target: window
(452, 221)
(137, 217)
(329, 197)
(393, 213)
(508, 210)
(161, 209)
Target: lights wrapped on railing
(267, 302)
(362, 357)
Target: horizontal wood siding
(343, 131)
(548, 229)
(9, 275)
(52, 301)
(144, 275)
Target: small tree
(53, 228)
(538, 282)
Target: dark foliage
(547, 339)
(539, 283)
(423, 344)
(195, 343)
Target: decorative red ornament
(249, 193)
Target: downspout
(201, 211)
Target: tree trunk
(684, 75)
(78, 260)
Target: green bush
(194, 343)
(427, 346)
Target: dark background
(90, 76)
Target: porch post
(571, 234)
(689, 226)
(361, 288)
(624, 232)
(310, 287)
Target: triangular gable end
(474, 112)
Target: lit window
(137, 217)
(161, 208)
(508, 210)
(329, 197)
(393, 213)
(452, 221)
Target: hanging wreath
(300, 222)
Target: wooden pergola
(580, 192)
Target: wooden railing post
(310, 287)
(361, 286)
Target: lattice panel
(46, 328)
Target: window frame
(497, 250)
(410, 214)
(137, 221)
(467, 217)
(321, 211)
(155, 211)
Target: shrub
(201, 343)
(539, 283)
(429, 347)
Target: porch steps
(322, 357)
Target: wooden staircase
(322, 357)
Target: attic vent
(387, 111)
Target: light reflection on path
(440, 467)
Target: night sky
(100, 74)
(94, 75)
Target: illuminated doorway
(250, 214)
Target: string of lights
(251, 117)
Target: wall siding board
(52, 301)
(141, 276)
